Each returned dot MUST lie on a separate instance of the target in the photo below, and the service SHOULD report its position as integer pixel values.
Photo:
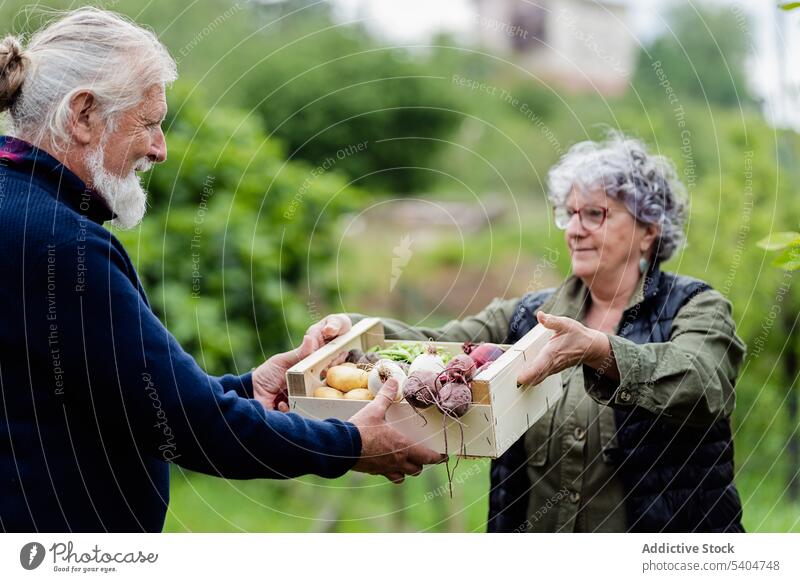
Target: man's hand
(269, 379)
(573, 343)
(329, 328)
(384, 451)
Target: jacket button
(574, 497)
(624, 395)
(579, 433)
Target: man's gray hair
(647, 184)
(88, 49)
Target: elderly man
(97, 396)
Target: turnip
(428, 360)
(381, 373)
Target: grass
(353, 503)
(357, 503)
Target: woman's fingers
(555, 322)
(532, 377)
(536, 372)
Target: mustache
(143, 165)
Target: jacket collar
(571, 299)
(59, 181)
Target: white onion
(429, 361)
(383, 370)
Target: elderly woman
(641, 439)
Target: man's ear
(83, 121)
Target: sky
(416, 21)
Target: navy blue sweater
(97, 395)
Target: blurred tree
(323, 87)
(233, 232)
(703, 54)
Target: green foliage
(322, 88)
(787, 242)
(703, 54)
(232, 231)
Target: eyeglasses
(591, 217)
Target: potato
(327, 392)
(358, 394)
(346, 378)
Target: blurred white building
(581, 45)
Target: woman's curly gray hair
(647, 184)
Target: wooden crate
(500, 414)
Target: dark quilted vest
(677, 478)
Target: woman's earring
(643, 265)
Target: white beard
(124, 196)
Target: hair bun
(12, 70)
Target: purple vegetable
(460, 369)
(482, 353)
(454, 399)
(421, 389)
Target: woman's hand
(269, 379)
(573, 343)
(329, 328)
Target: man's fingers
(308, 347)
(290, 358)
(283, 407)
(412, 469)
(331, 328)
(420, 455)
(335, 325)
(385, 397)
(396, 477)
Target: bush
(232, 232)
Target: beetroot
(484, 367)
(454, 399)
(482, 353)
(461, 369)
(354, 356)
(421, 389)
(369, 358)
